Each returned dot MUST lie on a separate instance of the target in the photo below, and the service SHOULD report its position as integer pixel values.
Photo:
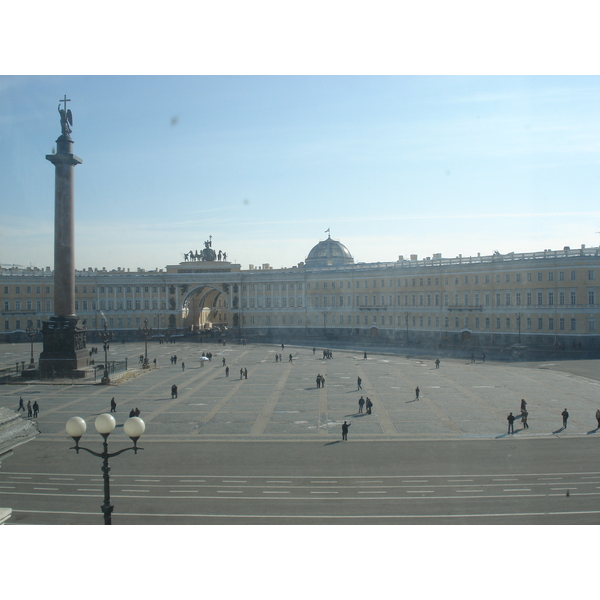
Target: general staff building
(540, 299)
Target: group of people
(525, 414)
(33, 410)
(362, 403)
(320, 381)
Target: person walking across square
(524, 415)
(565, 416)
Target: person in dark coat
(359, 383)
(417, 392)
(113, 405)
(345, 430)
(29, 411)
(565, 416)
(369, 405)
(173, 391)
(598, 417)
(132, 413)
(524, 415)
(361, 403)
(36, 409)
(511, 421)
(21, 407)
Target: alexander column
(64, 351)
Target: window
(550, 276)
(573, 296)
(591, 297)
(573, 325)
(573, 275)
(540, 298)
(540, 323)
(591, 275)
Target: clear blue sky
(265, 164)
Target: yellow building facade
(545, 299)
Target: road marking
(124, 490)
(323, 481)
(88, 490)
(517, 490)
(420, 491)
(183, 491)
(415, 481)
(462, 491)
(325, 492)
(233, 481)
(563, 488)
(49, 489)
(148, 480)
(458, 480)
(7, 487)
(229, 491)
(19, 477)
(374, 492)
(61, 478)
(275, 482)
(275, 492)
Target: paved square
(280, 400)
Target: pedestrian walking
(136, 412)
(369, 405)
(21, 407)
(523, 405)
(417, 392)
(154, 361)
(365, 356)
(182, 366)
(361, 403)
(245, 373)
(223, 361)
(36, 409)
(437, 363)
(524, 415)
(359, 382)
(314, 350)
(242, 373)
(113, 405)
(483, 357)
(173, 391)
(29, 411)
(511, 420)
(472, 357)
(318, 380)
(290, 358)
(132, 413)
(598, 417)
(565, 416)
(226, 371)
(345, 430)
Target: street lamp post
(105, 423)
(106, 337)
(31, 333)
(145, 331)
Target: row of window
(478, 323)
(468, 299)
(465, 280)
